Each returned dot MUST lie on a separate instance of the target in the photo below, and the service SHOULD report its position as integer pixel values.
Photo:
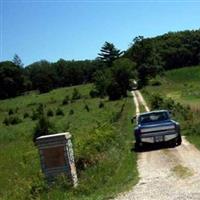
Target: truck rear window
(153, 117)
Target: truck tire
(179, 140)
(138, 146)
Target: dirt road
(166, 174)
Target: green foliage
(109, 167)
(171, 50)
(12, 120)
(109, 53)
(65, 100)
(101, 104)
(76, 95)
(10, 112)
(114, 81)
(86, 107)
(26, 115)
(11, 80)
(71, 112)
(50, 113)
(94, 93)
(44, 126)
(59, 111)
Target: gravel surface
(167, 174)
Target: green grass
(101, 137)
(183, 86)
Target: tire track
(166, 174)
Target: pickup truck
(156, 127)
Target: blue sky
(52, 30)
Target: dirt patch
(181, 171)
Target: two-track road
(166, 174)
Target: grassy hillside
(183, 86)
(102, 139)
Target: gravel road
(166, 174)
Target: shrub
(10, 112)
(12, 120)
(71, 112)
(50, 113)
(155, 82)
(26, 115)
(94, 93)
(76, 95)
(114, 91)
(43, 127)
(59, 112)
(156, 101)
(65, 100)
(87, 108)
(15, 120)
(6, 121)
(101, 104)
(34, 115)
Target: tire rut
(167, 174)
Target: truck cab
(156, 127)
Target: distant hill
(171, 50)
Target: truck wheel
(179, 140)
(137, 146)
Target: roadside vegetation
(178, 91)
(102, 140)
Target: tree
(122, 71)
(11, 80)
(17, 61)
(109, 53)
(43, 76)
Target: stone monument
(56, 156)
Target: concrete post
(56, 156)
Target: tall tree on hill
(17, 61)
(11, 80)
(109, 53)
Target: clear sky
(38, 29)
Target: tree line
(111, 71)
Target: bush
(71, 112)
(50, 113)
(65, 100)
(114, 91)
(87, 108)
(10, 112)
(156, 102)
(6, 121)
(43, 127)
(12, 120)
(26, 115)
(154, 82)
(59, 112)
(76, 95)
(101, 104)
(39, 111)
(34, 115)
(94, 93)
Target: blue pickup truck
(156, 127)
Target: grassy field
(102, 139)
(183, 86)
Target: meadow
(102, 139)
